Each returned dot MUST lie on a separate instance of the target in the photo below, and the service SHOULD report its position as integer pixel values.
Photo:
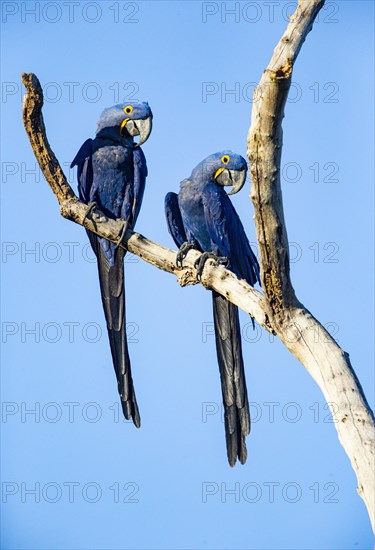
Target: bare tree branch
(279, 310)
(301, 333)
(214, 277)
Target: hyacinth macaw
(112, 173)
(202, 216)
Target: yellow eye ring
(225, 159)
(128, 109)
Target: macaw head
(131, 118)
(224, 168)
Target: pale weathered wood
(301, 333)
(278, 310)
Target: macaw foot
(182, 253)
(124, 229)
(90, 208)
(199, 264)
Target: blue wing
(85, 176)
(140, 175)
(227, 233)
(174, 219)
(83, 161)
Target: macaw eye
(225, 159)
(128, 109)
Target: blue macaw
(112, 174)
(202, 216)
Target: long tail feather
(232, 374)
(113, 297)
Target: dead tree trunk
(327, 363)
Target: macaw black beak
(139, 127)
(235, 178)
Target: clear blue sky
(297, 490)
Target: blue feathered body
(210, 218)
(113, 173)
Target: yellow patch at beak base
(218, 172)
(123, 124)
